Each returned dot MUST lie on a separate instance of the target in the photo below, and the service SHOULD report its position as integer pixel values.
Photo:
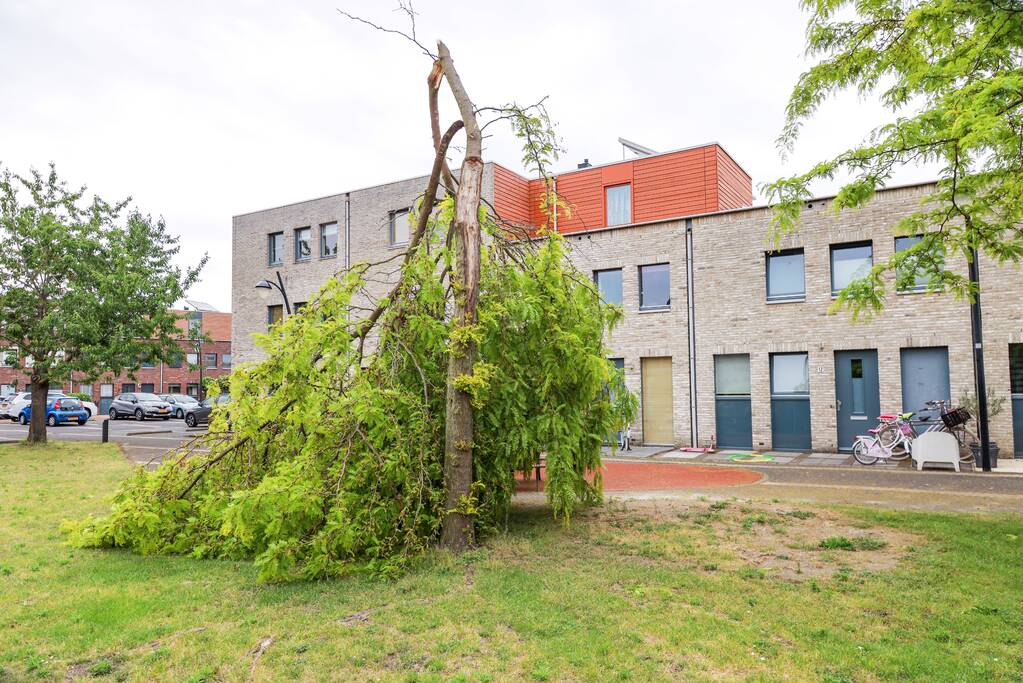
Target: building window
(174, 361)
(399, 227)
(275, 248)
(147, 364)
(298, 306)
(785, 277)
(732, 375)
(850, 262)
(328, 240)
(7, 389)
(106, 390)
(127, 388)
(1016, 368)
(85, 389)
(906, 271)
(173, 388)
(618, 203)
(195, 324)
(192, 390)
(303, 244)
(790, 374)
(8, 358)
(193, 359)
(211, 360)
(225, 360)
(655, 287)
(274, 314)
(147, 388)
(609, 284)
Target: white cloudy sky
(201, 110)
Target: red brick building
(212, 359)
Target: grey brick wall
(370, 210)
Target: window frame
(658, 307)
(793, 394)
(225, 360)
(784, 298)
(206, 360)
(749, 375)
(831, 260)
(125, 390)
(174, 388)
(621, 284)
(607, 215)
(271, 250)
(392, 221)
(917, 288)
(270, 322)
(337, 239)
(309, 241)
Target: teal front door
(857, 398)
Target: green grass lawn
(704, 591)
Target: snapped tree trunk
(457, 526)
(37, 425)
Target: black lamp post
(264, 287)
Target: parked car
(59, 409)
(88, 405)
(180, 403)
(200, 412)
(140, 406)
(15, 402)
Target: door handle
(839, 402)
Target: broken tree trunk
(457, 527)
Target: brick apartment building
(724, 339)
(214, 357)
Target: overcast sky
(202, 110)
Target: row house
(727, 337)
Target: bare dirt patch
(769, 540)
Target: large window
(174, 361)
(655, 287)
(849, 262)
(128, 388)
(85, 389)
(8, 358)
(328, 240)
(173, 388)
(919, 283)
(210, 360)
(275, 248)
(303, 244)
(400, 227)
(609, 283)
(731, 375)
(274, 314)
(146, 388)
(790, 373)
(192, 389)
(785, 276)
(225, 360)
(192, 359)
(618, 200)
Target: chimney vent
(586, 164)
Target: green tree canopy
(951, 71)
(85, 286)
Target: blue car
(58, 411)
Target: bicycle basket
(956, 417)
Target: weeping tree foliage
(334, 454)
(957, 66)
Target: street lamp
(265, 286)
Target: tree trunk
(457, 527)
(37, 425)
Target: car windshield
(181, 398)
(69, 403)
(147, 397)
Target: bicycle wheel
(888, 434)
(861, 452)
(966, 438)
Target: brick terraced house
(725, 338)
(181, 376)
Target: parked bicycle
(895, 433)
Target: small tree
(81, 290)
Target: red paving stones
(641, 476)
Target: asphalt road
(141, 441)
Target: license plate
(164, 410)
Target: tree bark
(457, 526)
(37, 425)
